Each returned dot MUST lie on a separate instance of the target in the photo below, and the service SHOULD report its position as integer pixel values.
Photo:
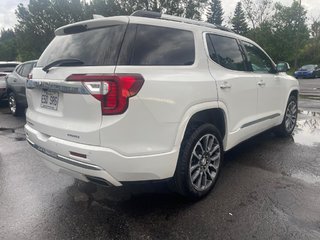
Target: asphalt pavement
(269, 188)
(310, 87)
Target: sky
(8, 18)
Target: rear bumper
(100, 162)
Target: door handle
(225, 85)
(261, 83)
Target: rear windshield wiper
(65, 62)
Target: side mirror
(283, 67)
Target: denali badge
(73, 136)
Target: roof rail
(150, 14)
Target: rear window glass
(27, 69)
(93, 47)
(226, 52)
(153, 45)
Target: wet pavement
(310, 87)
(269, 188)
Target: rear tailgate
(64, 109)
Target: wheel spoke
(196, 155)
(199, 180)
(211, 175)
(206, 142)
(214, 158)
(210, 144)
(204, 176)
(214, 149)
(287, 123)
(194, 167)
(292, 121)
(200, 145)
(195, 175)
(293, 107)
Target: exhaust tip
(99, 181)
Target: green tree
(265, 37)
(38, 21)
(239, 23)
(185, 8)
(8, 48)
(310, 52)
(257, 11)
(315, 29)
(194, 9)
(215, 13)
(290, 31)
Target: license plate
(49, 100)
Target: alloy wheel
(291, 116)
(12, 104)
(205, 162)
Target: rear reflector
(112, 90)
(80, 155)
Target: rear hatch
(58, 104)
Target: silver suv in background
(16, 87)
(5, 69)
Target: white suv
(152, 97)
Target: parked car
(16, 87)
(5, 68)
(152, 97)
(3, 85)
(308, 71)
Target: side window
(226, 52)
(211, 50)
(258, 60)
(162, 46)
(20, 69)
(26, 69)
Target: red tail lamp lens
(113, 91)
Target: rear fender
(193, 110)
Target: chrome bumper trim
(63, 158)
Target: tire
(289, 121)
(193, 162)
(15, 108)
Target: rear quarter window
(226, 52)
(154, 45)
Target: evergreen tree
(291, 31)
(239, 24)
(215, 14)
(8, 48)
(193, 9)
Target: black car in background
(16, 87)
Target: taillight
(112, 90)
